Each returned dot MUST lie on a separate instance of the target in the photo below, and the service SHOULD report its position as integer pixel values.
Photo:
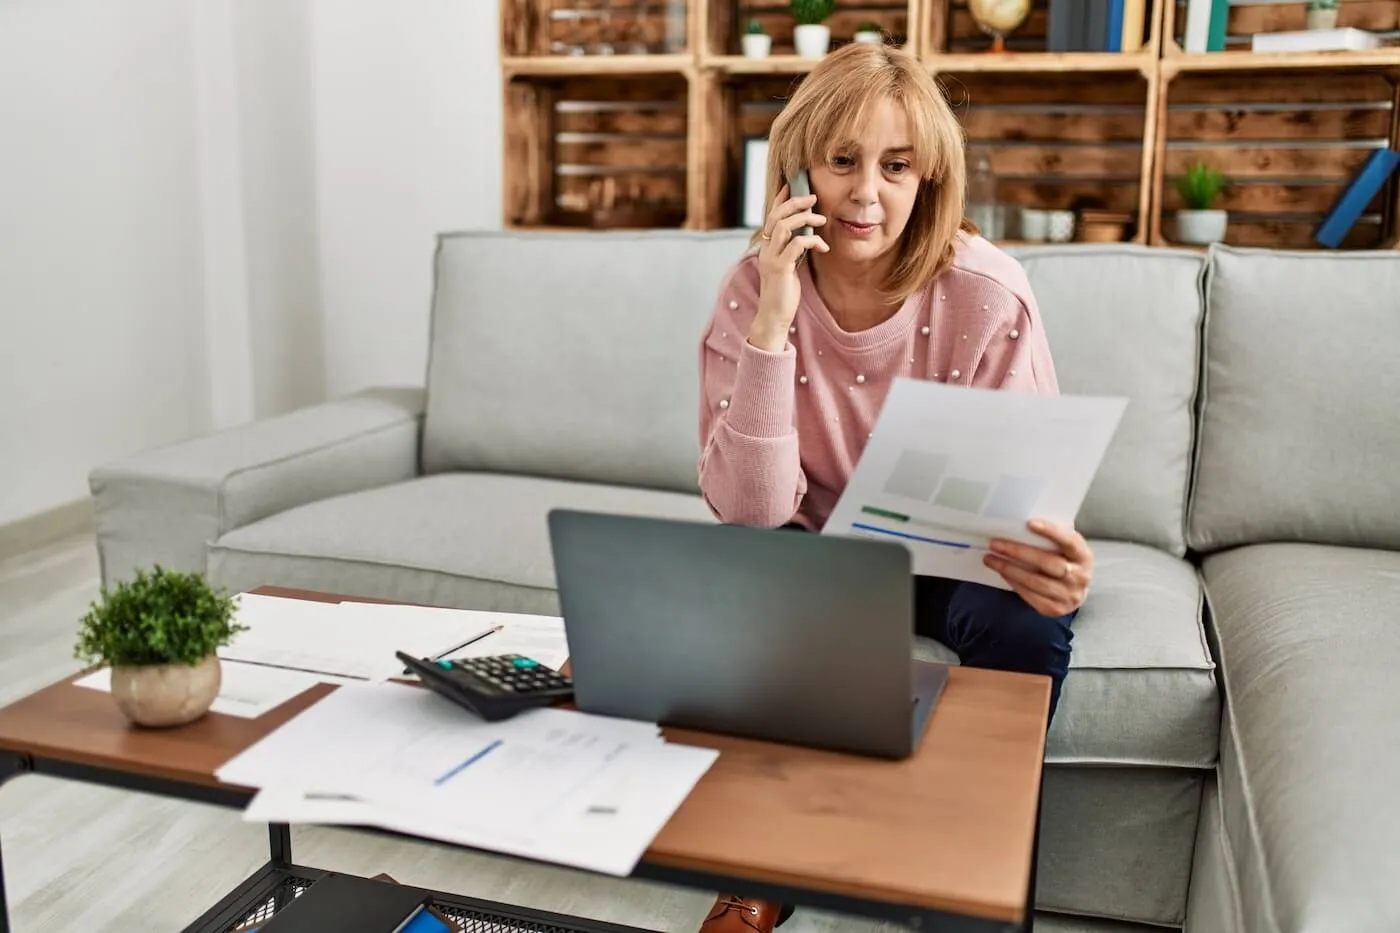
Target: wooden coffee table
(946, 840)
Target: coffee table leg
(279, 844)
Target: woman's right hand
(779, 252)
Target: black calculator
(494, 688)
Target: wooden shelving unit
(652, 135)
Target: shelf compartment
(1075, 143)
(555, 28)
(1379, 61)
(950, 28)
(728, 19)
(1288, 149)
(745, 106)
(597, 152)
(1246, 20)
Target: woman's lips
(857, 229)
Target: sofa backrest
(1125, 320)
(1300, 423)
(572, 355)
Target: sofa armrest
(167, 505)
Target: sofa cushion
(464, 540)
(1309, 643)
(1125, 320)
(1141, 688)
(556, 354)
(1298, 439)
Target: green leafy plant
(1200, 186)
(756, 28)
(869, 26)
(812, 12)
(1323, 4)
(161, 617)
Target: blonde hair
(826, 114)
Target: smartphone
(799, 186)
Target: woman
(809, 331)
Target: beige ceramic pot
(161, 695)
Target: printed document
(359, 640)
(549, 783)
(245, 690)
(948, 468)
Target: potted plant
(869, 31)
(160, 632)
(1322, 14)
(812, 36)
(1199, 222)
(757, 42)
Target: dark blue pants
(994, 628)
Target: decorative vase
(1322, 19)
(1201, 227)
(161, 695)
(812, 41)
(757, 44)
(869, 37)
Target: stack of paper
(291, 645)
(551, 784)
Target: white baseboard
(45, 528)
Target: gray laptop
(798, 638)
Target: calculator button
(526, 663)
(445, 665)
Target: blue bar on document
(470, 761)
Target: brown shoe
(741, 915)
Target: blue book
(1114, 39)
(1358, 194)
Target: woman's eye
(842, 161)
(896, 168)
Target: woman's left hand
(1053, 580)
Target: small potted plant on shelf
(1322, 14)
(757, 42)
(1199, 222)
(812, 36)
(159, 632)
(869, 31)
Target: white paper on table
(245, 690)
(609, 835)
(349, 639)
(582, 790)
(947, 468)
(539, 637)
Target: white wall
(407, 103)
(213, 210)
(101, 343)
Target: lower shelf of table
(273, 887)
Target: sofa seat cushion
(1141, 688)
(470, 540)
(1309, 643)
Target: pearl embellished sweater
(780, 433)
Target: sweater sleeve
(750, 469)
(1016, 355)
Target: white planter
(1322, 19)
(812, 41)
(162, 695)
(871, 38)
(1201, 227)
(757, 45)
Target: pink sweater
(781, 432)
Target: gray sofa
(1227, 752)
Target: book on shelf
(1096, 25)
(1346, 39)
(1364, 186)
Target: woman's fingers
(1071, 542)
(800, 244)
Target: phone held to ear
(800, 186)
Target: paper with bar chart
(948, 468)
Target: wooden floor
(78, 857)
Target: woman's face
(867, 193)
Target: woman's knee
(1002, 621)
